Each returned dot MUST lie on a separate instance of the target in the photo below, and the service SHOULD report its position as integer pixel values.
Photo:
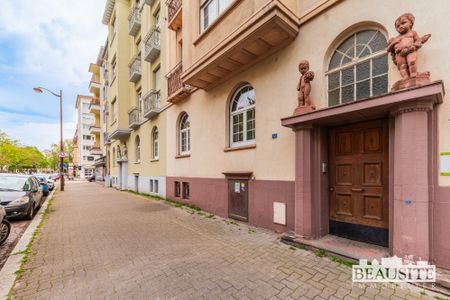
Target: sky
(47, 43)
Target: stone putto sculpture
(403, 49)
(125, 152)
(304, 89)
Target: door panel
(238, 199)
(359, 174)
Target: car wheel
(30, 213)
(5, 228)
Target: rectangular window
(177, 189)
(185, 190)
(140, 104)
(113, 68)
(156, 186)
(114, 27)
(113, 109)
(151, 185)
(210, 10)
(157, 19)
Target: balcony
(148, 2)
(95, 150)
(152, 104)
(134, 21)
(135, 69)
(106, 139)
(177, 89)
(106, 77)
(175, 18)
(94, 106)
(268, 30)
(94, 129)
(94, 87)
(152, 44)
(134, 118)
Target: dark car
(5, 227)
(20, 195)
(44, 183)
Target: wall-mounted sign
(237, 187)
(444, 166)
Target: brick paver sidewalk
(99, 243)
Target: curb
(8, 272)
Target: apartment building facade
(85, 140)
(367, 163)
(97, 89)
(136, 96)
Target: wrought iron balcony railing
(134, 118)
(134, 21)
(174, 6)
(177, 89)
(152, 44)
(135, 68)
(152, 104)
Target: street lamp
(61, 155)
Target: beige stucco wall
(275, 80)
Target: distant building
(86, 140)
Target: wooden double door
(359, 181)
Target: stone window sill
(237, 148)
(182, 156)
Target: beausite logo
(392, 269)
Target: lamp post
(61, 154)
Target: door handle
(357, 190)
(331, 189)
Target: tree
(16, 157)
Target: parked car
(44, 183)
(49, 178)
(5, 227)
(20, 195)
(91, 178)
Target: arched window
(242, 116)
(184, 134)
(138, 149)
(358, 68)
(155, 143)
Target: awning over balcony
(267, 31)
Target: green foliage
(320, 253)
(17, 157)
(53, 158)
(341, 261)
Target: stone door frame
(413, 164)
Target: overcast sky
(46, 43)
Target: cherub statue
(124, 152)
(304, 86)
(403, 47)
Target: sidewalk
(101, 243)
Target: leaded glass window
(242, 116)
(138, 149)
(358, 68)
(155, 143)
(185, 134)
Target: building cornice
(108, 11)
